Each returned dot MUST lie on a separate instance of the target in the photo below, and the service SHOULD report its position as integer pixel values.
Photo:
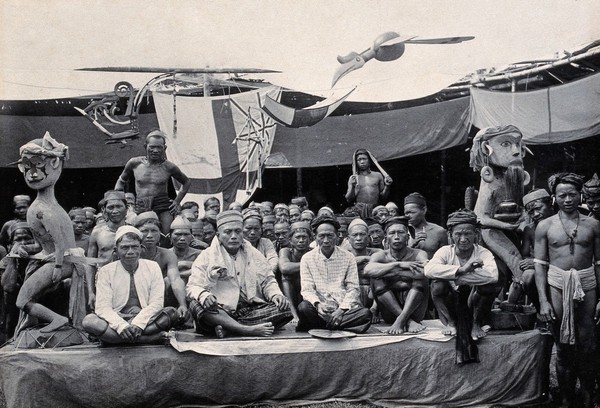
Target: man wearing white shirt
(130, 296)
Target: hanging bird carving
(387, 47)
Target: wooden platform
(287, 368)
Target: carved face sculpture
(505, 150)
(40, 171)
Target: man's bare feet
(294, 321)
(375, 317)
(262, 330)
(397, 327)
(449, 330)
(55, 324)
(477, 332)
(414, 327)
(220, 332)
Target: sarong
(573, 284)
(158, 203)
(246, 314)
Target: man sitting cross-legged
(149, 225)
(399, 285)
(129, 296)
(289, 264)
(232, 287)
(329, 280)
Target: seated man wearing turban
(130, 296)
(232, 288)
(253, 233)
(21, 204)
(181, 238)
(463, 266)
(399, 285)
(567, 253)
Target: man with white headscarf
(130, 296)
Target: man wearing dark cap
(591, 196)
(232, 288)
(329, 279)
(130, 296)
(289, 264)
(463, 265)
(427, 236)
(367, 188)
(376, 233)
(21, 204)
(567, 266)
(152, 174)
(399, 285)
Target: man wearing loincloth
(567, 250)
(152, 174)
(398, 283)
(329, 279)
(232, 288)
(367, 188)
(130, 296)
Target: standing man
(152, 174)
(329, 278)
(567, 250)
(82, 239)
(399, 285)
(232, 289)
(367, 188)
(591, 196)
(129, 307)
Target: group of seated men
(251, 271)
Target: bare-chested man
(358, 239)
(427, 236)
(152, 174)
(567, 250)
(253, 234)
(366, 188)
(289, 264)
(538, 205)
(149, 225)
(41, 163)
(181, 238)
(399, 285)
(82, 239)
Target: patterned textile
(330, 280)
(245, 314)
